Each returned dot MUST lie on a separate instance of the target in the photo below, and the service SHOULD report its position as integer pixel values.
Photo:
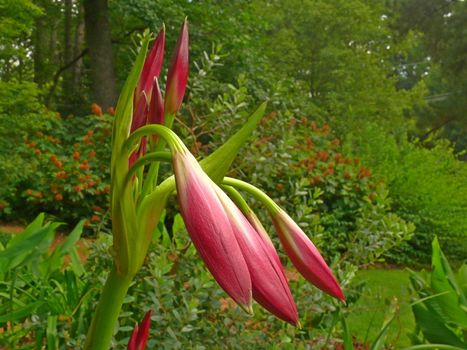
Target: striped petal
(210, 229)
(304, 255)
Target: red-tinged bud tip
(156, 106)
(270, 287)
(139, 337)
(140, 111)
(210, 228)
(305, 256)
(133, 339)
(153, 64)
(141, 151)
(177, 76)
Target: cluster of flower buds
(236, 248)
(227, 234)
(149, 107)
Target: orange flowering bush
(69, 174)
(333, 193)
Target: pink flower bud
(156, 106)
(140, 112)
(177, 76)
(270, 287)
(153, 64)
(210, 228)
(304, 255)
(139, 337)
(143, 92)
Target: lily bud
(156, 106)
(140, 117)
(270, 287)
(177, 75)
(304, 255)
(139, 337)
(153, 64)
(151, 70)
(210, 229)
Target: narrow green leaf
(433, 346)
(348, 343)
(378, 343)
(71, 239)
(122, 203)
(33, 227)
(55, 261)
(37, 242)
(52, 338)
(21, 313)
(218, 163)
(462, 279)
(442, 280)
(434, 330)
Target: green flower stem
(147, 158)
(168, 135)
(237, 199)
(105, 317)
(270, 205)
(153, 173)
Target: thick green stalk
(153, 173)
(106, 315)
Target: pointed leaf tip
(218, 163)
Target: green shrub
(41, 296)
(426, 182)
(334, 196)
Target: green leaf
(33, 246)
(71, 239)
(76, 264)
(21, 313)
(378, 343)
(434, 330)
(178, 230)
(124, 107)
(123, 205)
(348, 343)
(462, 278)
(442, 280)
(218, 163)
(433, 346)
(55, 261)
(35, 225)
(52, 337)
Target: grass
(368, 313)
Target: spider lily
(139, 337)
(177, 76)
(149, 106)
(304, 255)
(270, 287)
(143, 96)
(298, 247)
(151, 70)
(210, 228)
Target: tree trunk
(100, 52)
(40, 51)
(70, 93)
(77, 48)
